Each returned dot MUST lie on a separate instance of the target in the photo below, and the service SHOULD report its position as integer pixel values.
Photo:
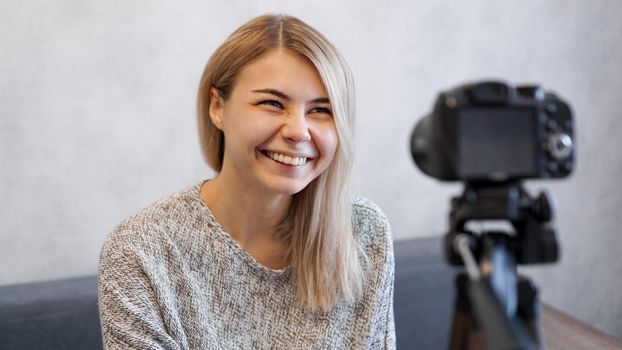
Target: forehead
(284, 70)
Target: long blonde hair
(323, 251)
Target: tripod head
(533, 240)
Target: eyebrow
(284, 96)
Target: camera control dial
(559, 145)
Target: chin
(289, 186)
(290, 189)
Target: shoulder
(370, 224)
(363, 206)
(158, 222)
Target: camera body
(492, 132)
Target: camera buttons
(552, 125)
(551, 108)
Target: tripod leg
(464, 334)
(529, 308)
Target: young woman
(272, 253)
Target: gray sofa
(63, 314)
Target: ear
(216, 107)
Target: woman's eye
(322, 110)
(271, 103)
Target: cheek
(327, 141)
(242, 126)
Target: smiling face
(278, 125)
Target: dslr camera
(492, 132)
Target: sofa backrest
(55, 315)
(63, 314)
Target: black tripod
(495, 308)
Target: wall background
(97, 118)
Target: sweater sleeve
(389, 279)
(129, 311)
(390, 319)
(375, 234)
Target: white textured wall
(97, 117)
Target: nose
(296, 128)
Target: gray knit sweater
(171, 277)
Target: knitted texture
(171, 277)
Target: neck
(248, 216)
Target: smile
(285, 159)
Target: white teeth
(285, 159)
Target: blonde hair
(323, 251)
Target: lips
(286, 159)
